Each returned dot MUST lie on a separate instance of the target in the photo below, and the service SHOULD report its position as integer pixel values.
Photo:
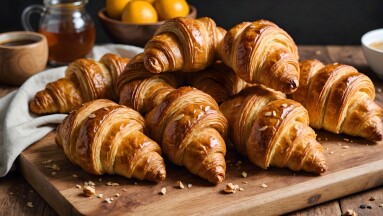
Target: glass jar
(68, 27)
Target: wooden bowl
(133, 34)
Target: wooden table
(15, 192)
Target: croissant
(186, 121)
(217, 80)
(272, 130)
(183, 44)
(339, 99)
(104, 137)
(261, 52)
(84, 80)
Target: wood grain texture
(328, 208)
(355, 201)
(350, 170)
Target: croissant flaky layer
(104, 137)
(191, 128)
(84, 80)
(183, 44)
(217, 80)
(261, 52)
(339, 99)
(273, 131)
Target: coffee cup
(22, 54)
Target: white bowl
(373, 55)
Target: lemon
(114, 8)
(139, 12)
(168, 9)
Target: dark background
(307, 21)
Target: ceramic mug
(22, 54)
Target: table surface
(15, 192)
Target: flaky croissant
(339, 99)
(84, 80)
(186, 121)
(217, 80)
(261, 52)
(104, 137)
(273, 131)
(183, 44)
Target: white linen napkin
(20, 128)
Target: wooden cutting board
(354, 165)
(351, 169)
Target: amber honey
(66, 43)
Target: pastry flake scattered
(30, 204)
(244, 174)
(163, 191)
(89, 191)
(190, 185)
(264, 185)
(112, 184)
(231, 188)
(180, 185)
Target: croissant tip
(322, 167)
(152, 64)
(218, 178)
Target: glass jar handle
(25, 16)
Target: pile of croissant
(197, 87)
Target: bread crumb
(350, 212)
(92, 115)
(264, 185)
(123, 189)
(117, 195)
(111, 199)
(75, 176)
(53, 173)
(47, 161)
(319, 139)
(100, 179)
(10, 193)
(78, 186)
(379, 90)
(347, 140)
(325, 138)
(231, 188)
(163, 191)
(54, 167)
(190, 185)
(112, 184)
(89, 190)
(135, 183)
(241, 189)
(339, 144)
(345, 147)
(244, 174)
(263, 128)
(108, 200)
(180, 184)
(244, 182)
(100, 196)
(89, 183)
(30, 204)
(381, 205)
(331, 153)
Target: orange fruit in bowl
(168, 9)
(139, 12)
(114, 8)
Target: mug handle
(27, 12)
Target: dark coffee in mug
(17, 42)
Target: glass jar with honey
(68, 27)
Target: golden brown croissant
(104, 137)
(339, 99)
(217, 80)
(272, 130)
(84, 80)
(183, 44)
(186, 121)
(261, 52)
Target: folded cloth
(20, 128)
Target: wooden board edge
(60, 204)
(307, 193)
